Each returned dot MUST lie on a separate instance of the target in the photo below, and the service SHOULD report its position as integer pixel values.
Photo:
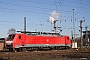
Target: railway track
(53, 54)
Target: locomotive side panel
(32, 41)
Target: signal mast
(54, 22)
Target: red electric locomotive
(36, 40)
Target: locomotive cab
(9, 41)
(15, 41)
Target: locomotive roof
(40, 33)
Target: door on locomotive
(22, 39)
(20, 43)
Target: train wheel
(50, 48)
(24, 49)
(41, 49)
(11, 49)
(20, 49)
(16, 50)
(56, 48)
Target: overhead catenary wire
(16, 4)
(29, 1)
(31, 6)
(29, 12)
(26, 6)
(26, 12)
(82, 8)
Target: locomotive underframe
(38, 47)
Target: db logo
(47, 40)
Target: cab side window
(19, 37)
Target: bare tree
(12, 31)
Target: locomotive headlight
(9, 42)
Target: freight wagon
(39, 40)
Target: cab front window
(11, 36)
